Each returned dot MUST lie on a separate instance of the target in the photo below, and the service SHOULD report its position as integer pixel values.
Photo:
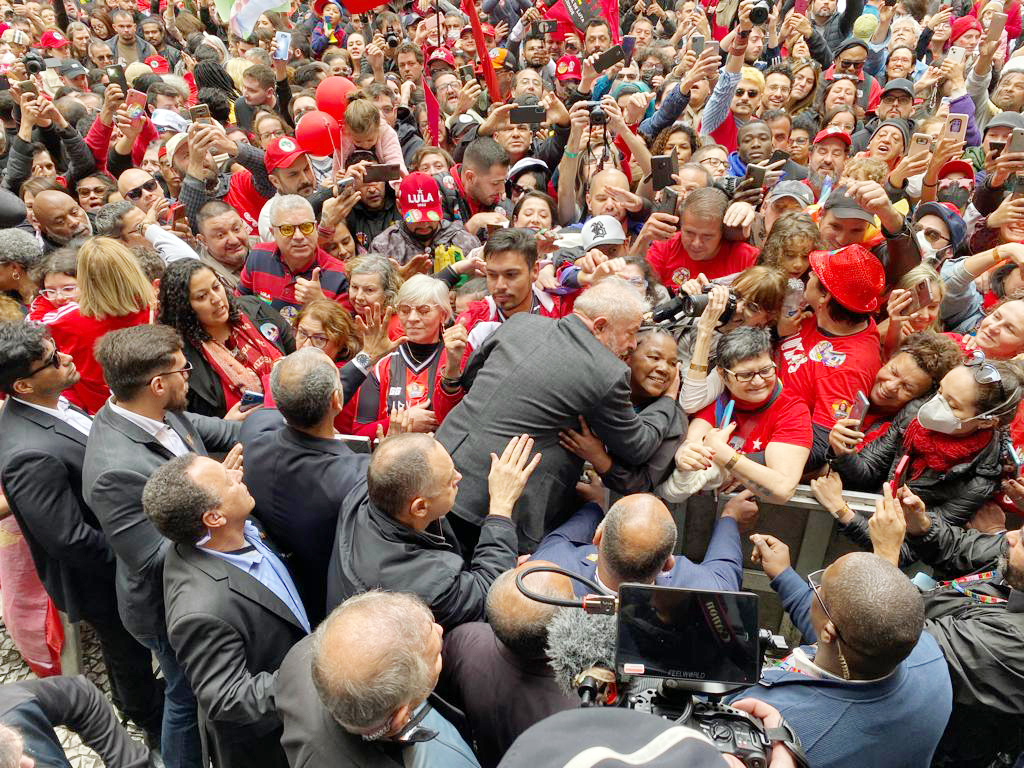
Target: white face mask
(937, 416)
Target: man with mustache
(60, 219)
(289, 172)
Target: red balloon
(332, 96)
(318, 133)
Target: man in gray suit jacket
(140, 428)
(537, 376)
(233, 611)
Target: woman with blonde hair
(113, 293)
(908, 311)
(237, 67)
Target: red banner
(469, 8)
(433, 136)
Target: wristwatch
(362, 361)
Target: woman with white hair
(413, 378)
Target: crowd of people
(312, 338)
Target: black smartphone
(382, 172)
(532, 115)
(662, 168)
(466, 73)
(996, 146)
(778, 154)
(668, 203)
(628, 46)
(115, 74)
(547, 26)
(609, 58)
(756, 172)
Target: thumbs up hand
(309, 290)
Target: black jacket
(365, 224)
(983, 644)
(119, 458)
(205, 393)
(373, 551)
(301, 513)
(41, 461)
(230, 634)
(954, 495)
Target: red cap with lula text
(419, 199)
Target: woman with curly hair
(678, 136)
(230, 341)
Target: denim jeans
(179, 745)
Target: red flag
(574, 14)
(433, 114)
(469, 8)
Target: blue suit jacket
(570, 547)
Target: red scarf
(939, 452)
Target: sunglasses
(752, 93)
(962, 183)
(53, 361)
(288, 230)
(183, 371)
(135, 194)
(83, 191)
(814, 581)
(855, 65)
(984, 372)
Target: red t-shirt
(674, 265)
(786, 420)
(75, 335)
(826, 372)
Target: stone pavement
(13, 669)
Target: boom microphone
(581, 649)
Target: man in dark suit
(634, 543)
(509, 652)
(140, 428)
(233, 611)
(337, 712)
(537, 375)
(297, 472)
(42, 448)
(393, 534)
(31, 709)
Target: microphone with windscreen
(581, 651)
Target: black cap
(845, 207)
(899, 84)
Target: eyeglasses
(268, 135)
(318, 340)
(801, 141)
(933, 236)
(715, 161)
(64, 292)
(404, 310)
(752, 93)
(183, 371)
(451, 85)
(892, 98)
(637, 282)
(288, 230)
(745, 377)
(135, 194)
(857, 66)
(83, 191)
(814, 581)
(52, 361)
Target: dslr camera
(759, 13)
(34, 63)
(682, 310)
(597, 114)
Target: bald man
(872, 688)
(139, 188)
(599, 202)
(60, 219)
(508, 651)
(635, 541)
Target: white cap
(602, 230)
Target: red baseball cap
(158, 64)
(52, 39)
(568, 68)
(956, 166)
(832, 133)
(281, 153)
(442, 55)
(489, 30)
(419, 199)
(852, 274)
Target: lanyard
(960, 586)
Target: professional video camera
(680, 312)
(651, 648)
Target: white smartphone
(282, 45)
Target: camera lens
(598, 116)
(392, 41)
(759, 13)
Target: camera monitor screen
(708, 638)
